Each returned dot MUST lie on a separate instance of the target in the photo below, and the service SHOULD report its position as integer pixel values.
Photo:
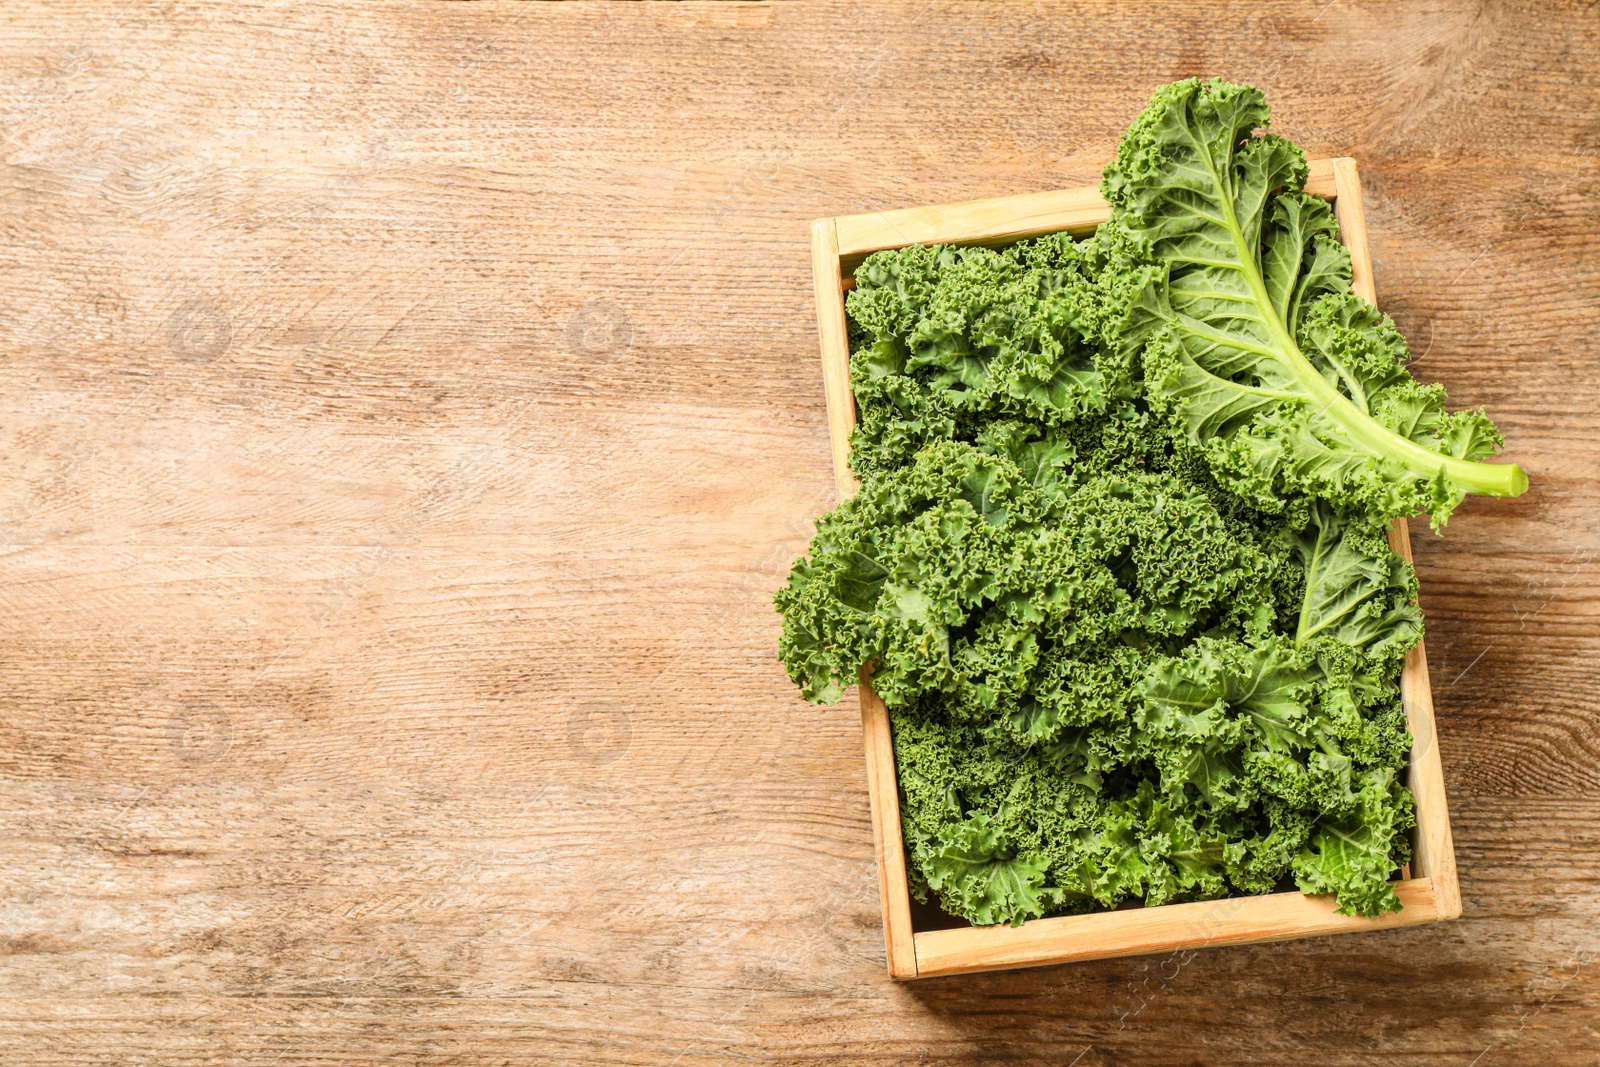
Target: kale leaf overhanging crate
(1428, 893)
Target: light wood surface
(393, 682)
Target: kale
(1253, 346)
(1118, 563)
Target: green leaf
(983, 880)
(1286, 385)
(1183, 860)
(1355, 856)
(1358, 591)
(1301, 257)
(1205, 694)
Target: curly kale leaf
(1230, 723)
(1210, 709)
(1004, 834)
(954, 337)
(1358, 591)
(971, 574)
(1354, 854)
(1252, 344)
(980, 878)
(826, 603)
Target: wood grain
(389, 674)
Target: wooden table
(409, 411)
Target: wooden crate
(838, 245)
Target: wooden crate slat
(834, 337)
(1352, 218)
(1138, 931)
(1000, 220)
(1433, 848)
(838, 246)
(883, 792)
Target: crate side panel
(883, 792)
(1001, 220)
(1433, 853)
(1004, 219)
(834, 337)
(1138, 932)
